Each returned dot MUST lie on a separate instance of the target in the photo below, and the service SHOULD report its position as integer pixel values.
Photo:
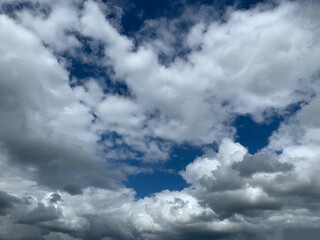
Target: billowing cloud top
(84, 104)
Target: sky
(151, 120)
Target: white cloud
(51, 135)
(245, 65)
(63, 17)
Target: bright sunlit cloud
(97, 96)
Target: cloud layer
(67, 143)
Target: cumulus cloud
(260, 55)
(39, 111)
(260, 163)
(63, 139)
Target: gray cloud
(228, 204)
(295, 234)
(34, 118)
(58, 166)
(39, 214)
(55, 197)
(224, 179)
(53, 151)
(260, 163)
(6, 202)
(73, 189)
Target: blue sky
(249, 133)
(159, 119)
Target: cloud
(73, 189)
(62, 140)
(45, 128)
(260, 56)
(6, 202)
(260, 163)
(309, 234)
(40, 214)
(55, 197)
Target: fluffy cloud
(61, 138)
(222, 76)
(45, 129)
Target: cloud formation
(67, 143)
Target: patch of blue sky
(255, 135)
(141, 10)
(111, 141)
(146, 184)
(251, 134)
(82, 70)
(11, 9)
(164, 176)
